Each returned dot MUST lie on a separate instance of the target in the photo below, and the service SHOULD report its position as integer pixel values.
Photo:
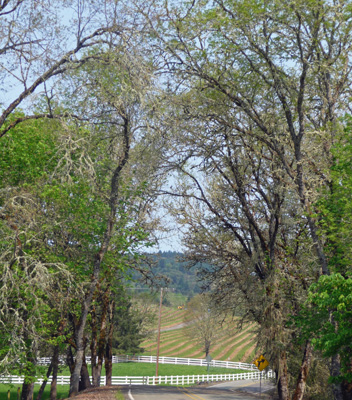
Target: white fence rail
(185, 361)
(153, 380)
(170, 360)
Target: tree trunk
(85, 381)
(346, 387)
(69, 359)
(303, 373)
(27, 391)
(346, 390)
(79, 342)
(86, 305)
(108, 348)
(76, 374)
(282, 384)
(93, 347)
(108, 363)
(102, 335)
(335, 371)
(207, 345)
(55, 364)
(27, 388)
(43, 385)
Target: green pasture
(148, 369)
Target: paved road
(251, 386)
(239, 390)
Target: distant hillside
(182, 279)
(233, 345)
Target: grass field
(232, 345)
(148, 369)
(62, 391)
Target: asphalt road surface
(238, 390)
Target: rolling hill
(233, 345)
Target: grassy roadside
(62, 391)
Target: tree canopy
(233, 116)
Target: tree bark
(346, 387)
(282, 384)
(108, 348)
(108, 359)
(55, 364)
(85, 380)
(94, 346)
(346, 390)
(303, 373)
(27, 388)
(43, 385)
(27, 391)
(102, 335)
(69, 359)
(335, 371)
(79, 340)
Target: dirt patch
(173, 326)
(101, 393)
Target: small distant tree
(204, 321)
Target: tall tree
(32, 280)
(259, 89)
(326, 317)
(85, 205)
(116, 90)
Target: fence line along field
(175, 341)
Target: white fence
(153, 380)
(170, 360)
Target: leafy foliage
(335, 206)
(327, 319)
(327, 315)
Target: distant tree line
(179, 277)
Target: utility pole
(159, 325)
